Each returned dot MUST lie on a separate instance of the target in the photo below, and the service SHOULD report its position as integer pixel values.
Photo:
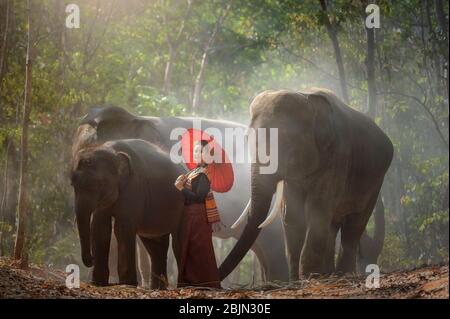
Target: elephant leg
(101, 238)
(329, 262)
(143, 263)
(126, 246)
(318, 217)
(157, 248)
(352, 230)
(176, 249)
(350, 235)
(294, 226)
(177, 241)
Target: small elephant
(124, 180)
(331, 164)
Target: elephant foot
(128, 283)
(346, 266)
(294, 272)
(159, 285)
(294, 275)
(311, 269)
(329, 269)
(145, 285)
(346, 274)
(311, 275)
(99, 283)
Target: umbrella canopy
(220, 171)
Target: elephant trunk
(83, 214)
(261, 196)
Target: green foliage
(150, 102)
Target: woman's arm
(202, 189)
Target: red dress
(198, 261)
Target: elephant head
(305, 140)
(113, 122)
(96, 178)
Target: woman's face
(198, 158)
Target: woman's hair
(203, 143)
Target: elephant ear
(125, 168)
(323, 122)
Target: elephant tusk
(241, 218)
(276, 209)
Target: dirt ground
(43, 282)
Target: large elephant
(331, 162)
(110, 123)
(124, 181)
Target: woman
(198, 262)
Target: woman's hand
(179, 183)
(217, 227)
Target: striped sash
(212, 213)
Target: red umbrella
(220, 173)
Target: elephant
(123, 181)
(332, 161)
(102, 124)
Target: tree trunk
(199, 81)
(4, 196)
(173, 47)
(9, 196)
(337, 51)
(201, 73)
(19, 252)
(168, 71)
(59, 40)
(440, 14)
(428, 38)
(5, 40)
(370, 65)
